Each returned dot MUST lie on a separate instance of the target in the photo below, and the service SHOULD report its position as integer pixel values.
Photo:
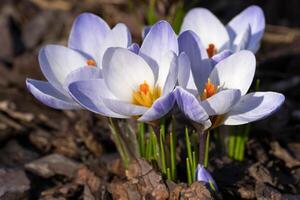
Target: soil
(50, 154)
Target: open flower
(135, 85)
(220, 91)
(244, 31)
(88, 40)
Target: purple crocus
(244, 31)
(220, 91)
(135, 84)
(89, 38)
(204, 176)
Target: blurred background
(30, 130)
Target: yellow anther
(145, 96)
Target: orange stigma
(209, 90)
(91, 63)
(211, 50)
(144, 87)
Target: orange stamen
(145, 96)
(91, 63)
(144, 87)
(211, 50)
(209, 90)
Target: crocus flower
(244, 31)
(220, 91)
(204, 176)
(135, 85)
(89, 38)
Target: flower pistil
(91, 63)
(209, 90)
(211, 50)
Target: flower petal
(168, 73)
(125, 108)
(135, 48)
(119, 36)
(160, 107)
(207, 26)
(204, 176)
(191, 107)
(50, 96)
(88, 33)
(83, 73)
(242, 40)
(124, 71)
(235, 72)
(190, 43)
(253, 16)
(159, 41)
(185, 76)
(221, 102)
(220, 56)
(254, 106)
(90, 94)
(57, 62)
(145, 31)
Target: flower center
(91, 63)
(145, 96)
(209, 90)
(211, 50)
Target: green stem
(206, 150)
(238, 142)
(202, 134)
(169, 174)
(173, 156)
(188, 146)
(151, 18)
(115, 134)
(231, 142)
(162, 149)
(194, 166)
(141, 131)
(244, 142)
(189, 173)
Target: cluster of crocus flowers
(89, 38)
(207, 71)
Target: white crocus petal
(50, 96)
(119, 36)
(185, 76)
(124, 108)
(221, 102)
(184, 69)
(160, 40)
(254, 106)
(191, 45)
(253, 16)
(191, 108)
(235, 72)
(124, 71)
(90, 93)
(83, 73)
(57, 62)
(208, 27)
(88, 34)
(242, 40)
(168, 72)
